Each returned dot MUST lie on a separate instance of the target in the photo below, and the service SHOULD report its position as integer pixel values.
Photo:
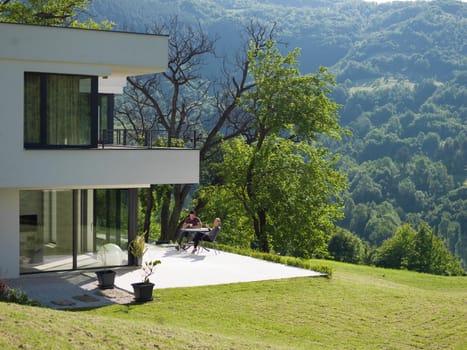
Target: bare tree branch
(183, 99)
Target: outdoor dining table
(200, 229)
(193, 231)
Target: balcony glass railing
(111, 138)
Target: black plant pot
(143, 291)
(106, 279)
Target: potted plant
(106, 279)
(143, 290)
(137, 248)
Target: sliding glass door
(111, 225)
(73, 229)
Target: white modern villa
(66, 201)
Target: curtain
(32, 108)
(64, 108)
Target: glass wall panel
(106, 112)
(46, 230)
(59, 110)
(111, 216)
(68, 110)
(103, 111)
(65, 230)
(110, 237)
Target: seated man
(209, 236)
(191, 221)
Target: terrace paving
(79, 289)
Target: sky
(381, 1)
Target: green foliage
(149, 268)
(286, 182)
(284, 100)
(401, 75)
(16, 296)
(346, 247)
(421, 251)
(280, 259)
(49, 12)
(137, 246)
(397, 251)
(294, 182)
(220, 202)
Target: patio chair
(213, 234)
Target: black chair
(211, 238)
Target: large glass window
(46, 230)
(111, 216)
(60, 110)
(73, 229)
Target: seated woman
(209, 236)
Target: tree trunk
(165, 215)
(171, 210)
(259, 223)
(148, 212)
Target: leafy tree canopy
(49, 12)
(285, 180)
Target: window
(75, 229)
(60, 111)
(106, 112)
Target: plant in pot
(137, 248)
(143, 290)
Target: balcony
(147, 139)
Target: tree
(421, 251)
(396, 252)
(172, 102)
(431, 254)
(382, 223)
(285, 179)
(292, 184)
(346, 247)
(49, 12)
(182, 101)
(359, 217)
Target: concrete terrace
(78, 289)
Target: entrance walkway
(78, 289)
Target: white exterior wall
(110, 55)
(70, 168)
(9, 233)
(100, 168)
(120, 53)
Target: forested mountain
(401, 73)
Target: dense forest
(401, 79)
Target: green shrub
(285, 260)
(16, 296)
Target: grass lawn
(359, 308)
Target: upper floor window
(60, 111)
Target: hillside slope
(359, 308)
